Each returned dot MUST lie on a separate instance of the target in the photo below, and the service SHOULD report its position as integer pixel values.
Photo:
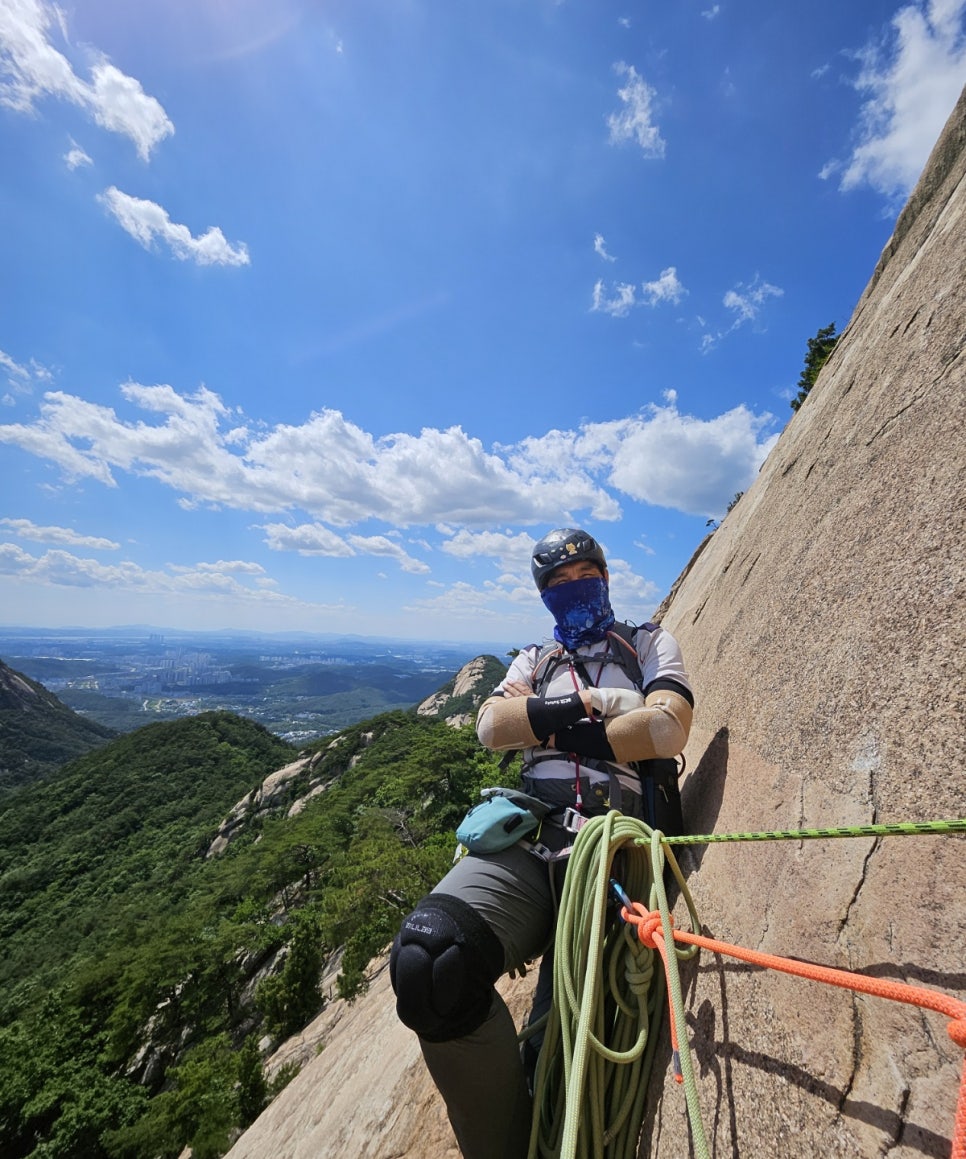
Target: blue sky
(314, 315)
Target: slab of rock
(363, 1090)
(825, 626)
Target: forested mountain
(38, 733)
(168, 903)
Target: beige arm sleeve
(502, 724)
(659, 729)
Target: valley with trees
(148, 968)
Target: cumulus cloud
(146, 222)
(32, 68)
(634, 121)
(306, 539)
(682, 462)
(218, 581)
(26, 529)
(505, 547)
(342, 476)
(315, 539)
(227, 567)
(381, 545)
(667, 458)
(911, 85)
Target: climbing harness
(593, 1070)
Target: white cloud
(463, 602)
(746, 301)
(315, 539)
(600, 248)
(227, 567)
(678, 461)
(667, 288)
(712, 12)
(31, 68)
(664, 457)
(306, 539)
(25, 529)
(22, 379)
(911, 87)
(146, 221)
(618, 303)
(210, 581)
(342, 476)
(75, 157)
(13, 367)
(634, 121)
(503, 546)
(379, 545)
(622, 298)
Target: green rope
(899, 829)
(698, 1138)
(601, 1034)
(599, 1040)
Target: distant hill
(38, 733)
(170, 903)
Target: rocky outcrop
(824, 627)
(288, 790)
(457, 701)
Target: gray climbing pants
(481, 1076)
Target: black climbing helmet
(564, 545)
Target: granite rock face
(363, 1089)
(824, 628)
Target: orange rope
(650, 934)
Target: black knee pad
(443, 964)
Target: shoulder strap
(620, 641)
(620, 645)
(546, 663)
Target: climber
(582, 717)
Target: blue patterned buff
(581, 609)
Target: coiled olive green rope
(598, 1050)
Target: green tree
(819, 349)
(290, 999)
(252, 1088)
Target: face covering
(581, 609)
